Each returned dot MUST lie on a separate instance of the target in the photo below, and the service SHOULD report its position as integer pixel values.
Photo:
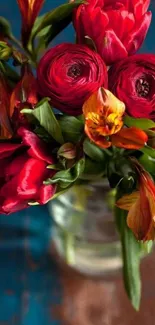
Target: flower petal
(129, 138)
(38, 148)
(126, 201)
(136, 38)
(97, 139)
(5, 124)
(13, 204)
(29, 10)
(140, 217)
(7, 149)
(31, 179)
(46, 193)
(112, 49)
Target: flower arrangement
(73, 113)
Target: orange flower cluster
(103, 114)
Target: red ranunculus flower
(69, 74)
(117, 27)
(132, 80)
(23, 170)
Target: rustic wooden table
(88, 301)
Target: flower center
(143, 87)
(104, 125)
(74, 71)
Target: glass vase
(84, 232)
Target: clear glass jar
(84, 232)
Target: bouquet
(73, 113)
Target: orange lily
(141, 207)
(104, 121)
(5, 124)
(29, 11)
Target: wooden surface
(104, 302)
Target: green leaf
(72, 128)
(54, 166)
(5, 28)
(67, 176)
(92, 151)
(90, 43)
(36, 25)
(148, 151)
(49, 33)
(40, 35)
(147, 247)
(59, 192)
(93, 170)
(9, 73)
(33, 203)
(141, 123)
(58, 19)
(131, 252)
(120, 172)
(148, 163)
(43, 113)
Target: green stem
(108, 152)
(25, 50)
(9, 72)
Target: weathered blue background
(29, 280)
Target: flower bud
(67, 150)
(19, 58)
(5, 51)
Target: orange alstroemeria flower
(103, 114)
(141, 207)
(29, 11)
(5, 124)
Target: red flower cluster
(22, 172)
(100, 77)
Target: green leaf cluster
(44, 115)
(49, 25)
(67, 177)
(72, 128)
(121, 172)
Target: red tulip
(23, 168)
